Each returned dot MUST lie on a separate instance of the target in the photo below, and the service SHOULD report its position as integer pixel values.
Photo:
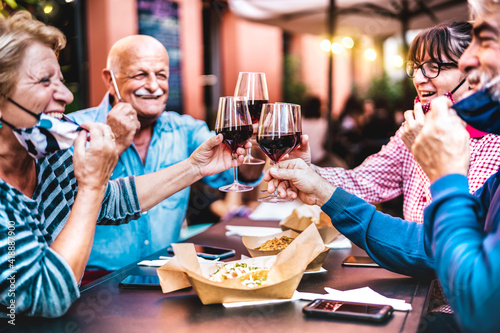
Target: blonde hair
(17, 33)
(483, 8)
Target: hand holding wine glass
(254, 87)
(276, 136)
(234, 123)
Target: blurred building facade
(215, 45)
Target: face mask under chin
(481, 111)
(48, 136)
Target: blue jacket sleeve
(467, 257)
(395, 244)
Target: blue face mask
(48, 136)
(480, 110)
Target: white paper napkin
(296, 296)
(340, 242)
(270, 211)
(362, 295)
(367, 295)
(153, 263)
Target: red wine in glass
(234, 123)
(276, 146)
(255, 108)
(236, 136)
(252, 85)
(276, 136)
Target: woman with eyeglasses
(433, 66)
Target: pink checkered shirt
(394, 171)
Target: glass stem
(235, 168)
(275, 181)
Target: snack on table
(250, 276)
(276, 243)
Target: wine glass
(234, 123)
(276, 137)
(254, 86)
(297, 118)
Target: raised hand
(94, 164)
(414, 121)
(123, 121)
(213, 156)
(303, 151)
(443, 145)
(297, 179)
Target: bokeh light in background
(337, 48)
(397, 61)
(47, 9)
(370, 54)
(325, 45)
(347, 42)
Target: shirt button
(146, 242)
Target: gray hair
(483, 8)
(17, 33)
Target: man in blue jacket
(459, 239)
(148, 139)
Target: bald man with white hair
(148, 139)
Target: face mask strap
(8, 124)
(37, 116)
(459, 85)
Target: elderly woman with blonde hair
(51, 198)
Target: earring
(0, 124)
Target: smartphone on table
(359, 261)
(141, 282)
(210, 252)
(323, 308)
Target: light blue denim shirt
(175, 137)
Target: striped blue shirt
(34, 279)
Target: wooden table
(104, 307)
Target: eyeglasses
(430, 69)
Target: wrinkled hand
(123, 121)
(414, 121)
(303, 151)
(214, 156)
(442, 147)
(297, 179)
(93, 165)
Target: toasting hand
(297, 179)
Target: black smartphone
(359, 261)
(346, 310)
(141, 282)
(210, 252)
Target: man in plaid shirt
(393, 171)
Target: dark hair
(449, 39)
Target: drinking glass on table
(276, 137)
(253, 85)
(234, 123)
